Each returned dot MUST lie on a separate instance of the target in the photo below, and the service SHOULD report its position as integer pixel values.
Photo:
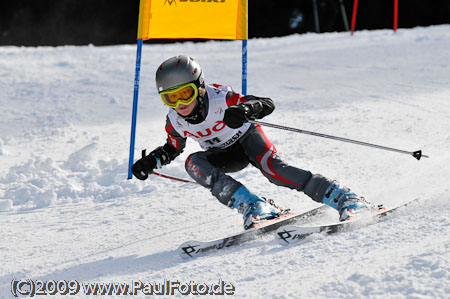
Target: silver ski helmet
(178, 80)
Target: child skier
(217, 118)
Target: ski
(289, 234)
(192, 249)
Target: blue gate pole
(244, 67)
(135, 106)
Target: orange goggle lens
(181, 95)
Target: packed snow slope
(68, 212)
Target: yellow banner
(209, 19)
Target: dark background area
(109, 22)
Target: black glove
(235, 116)
(145, 165)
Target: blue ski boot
(347, 203)
(253, 208)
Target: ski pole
(417, 154)
(173, 178)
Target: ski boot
(347, 203)
(253, 208)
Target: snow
(68, 212)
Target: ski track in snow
(67, 210)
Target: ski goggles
(180, 95)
